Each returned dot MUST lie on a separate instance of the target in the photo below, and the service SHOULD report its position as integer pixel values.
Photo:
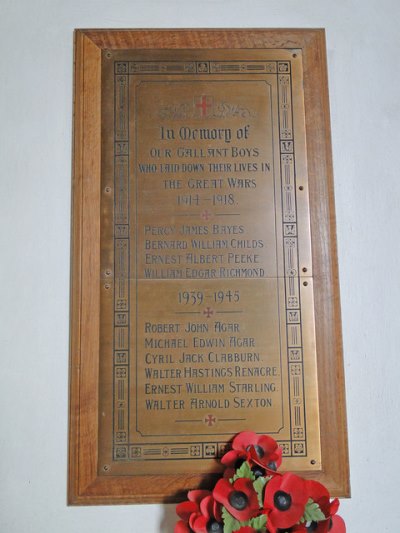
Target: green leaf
(244, 471)
(312, 512)
(259, 522)
(259, 485)
(230, 523)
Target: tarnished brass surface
(207, 323)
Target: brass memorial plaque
(207, 315)
(204, 286)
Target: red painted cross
(205, 215)
(203, 105)
(210, 420)
(208, 312)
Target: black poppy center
(272, 465)
(258, 449)
(215, 527)
(312, 527)
(238, 500)
(258, 471)
(238, 463)
(282, 500)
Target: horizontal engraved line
(179, 451)
(187, 312)
(178, 421)
(231, 419)
(282, 277)
(152, 452)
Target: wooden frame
(85, 485)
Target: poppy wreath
(254, 497)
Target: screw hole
(105, 468)
(107, 286)
(108, 272)
(108, 189)
(305, 283)
(294, 55)
(305, 269)
(301, 188)
(313, 462)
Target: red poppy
(240, 499)
(181, 527)
(199, 514)
(284, 501)
(337, 525)
(259, 449)
(319, 494)
(298, 528)
(234, 459)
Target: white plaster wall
(363, 40)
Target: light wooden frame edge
(85, 486)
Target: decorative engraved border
(196, 67)
(123, 450)
(121, 329)
(297, 446)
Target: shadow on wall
(169, 519)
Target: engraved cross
(210, 420)
(206, 215)
(208, 312)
